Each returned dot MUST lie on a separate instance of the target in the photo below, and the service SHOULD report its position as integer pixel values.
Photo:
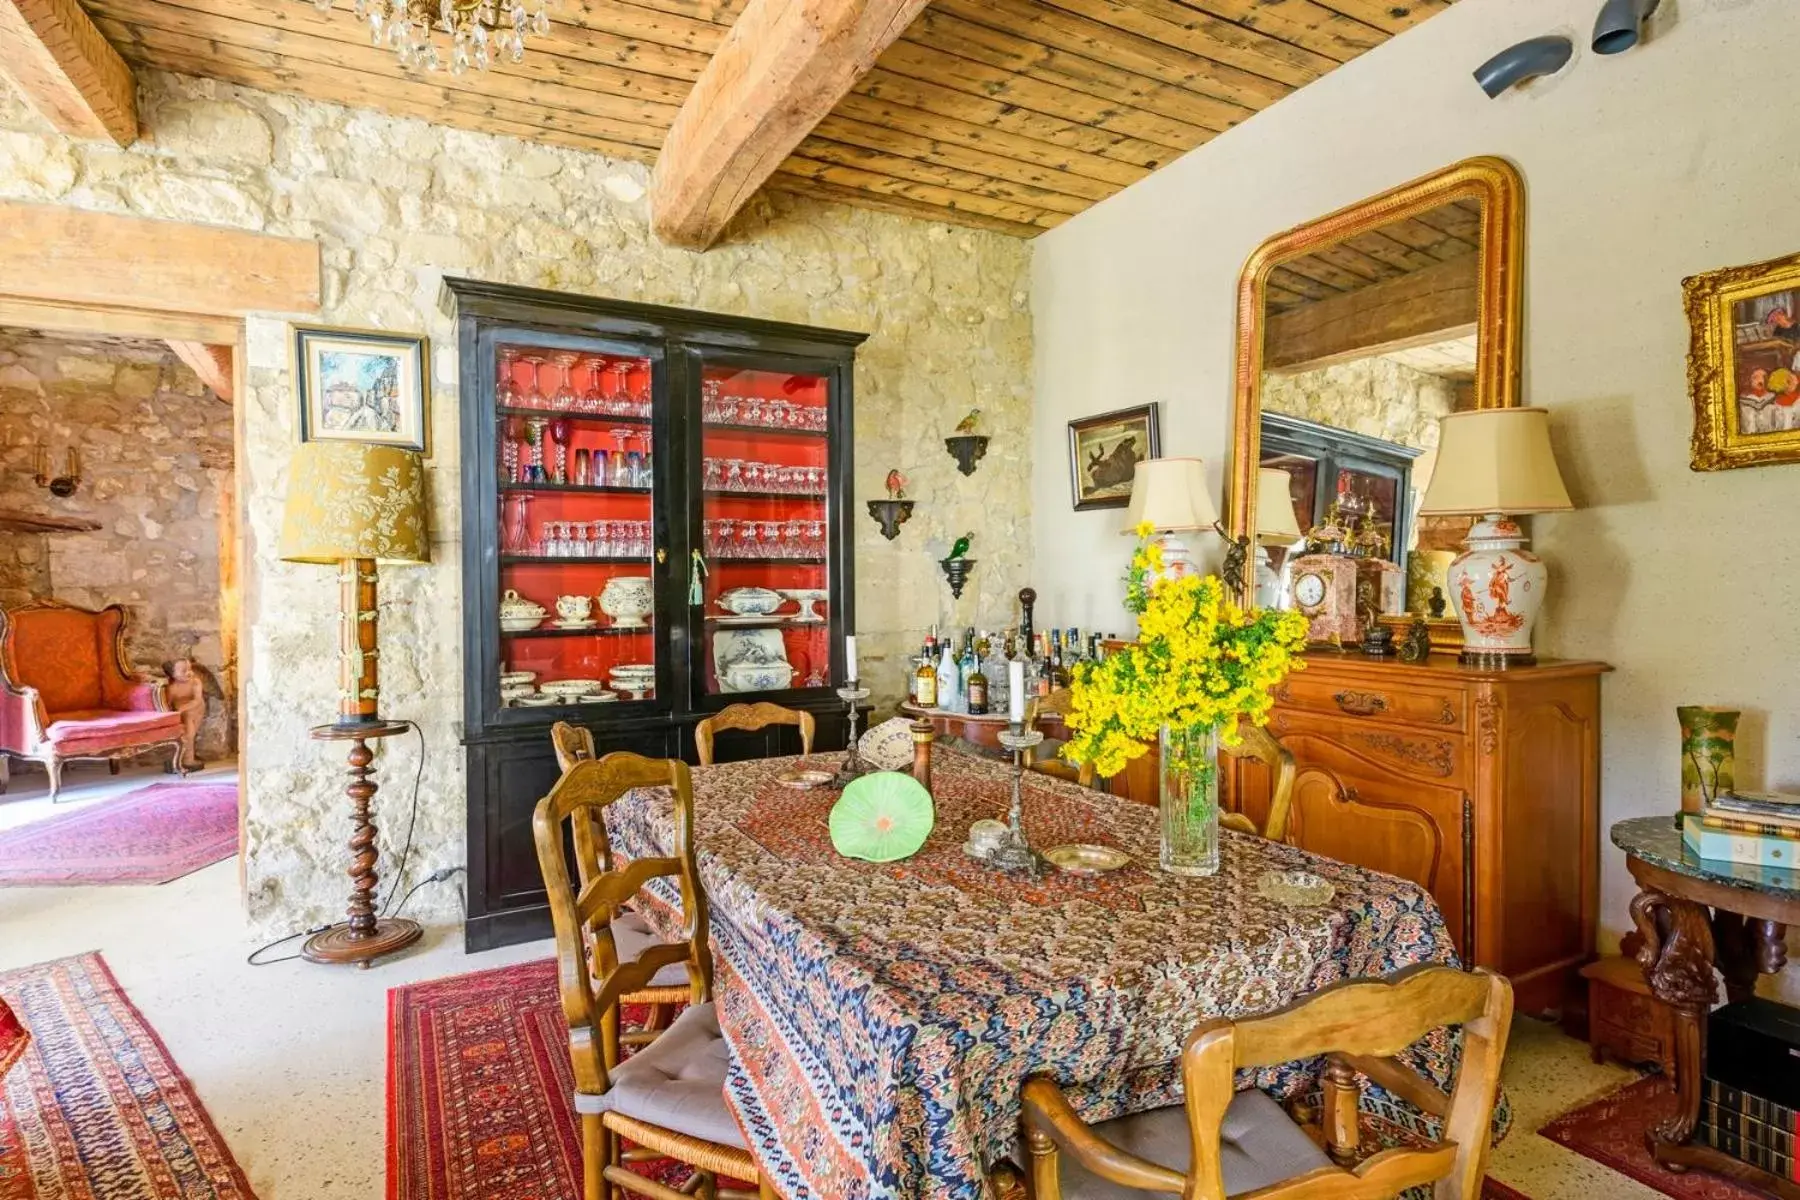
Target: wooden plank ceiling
(1450, 232)
(1010, 115)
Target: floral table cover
(882, 1017)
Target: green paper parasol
(881, 817)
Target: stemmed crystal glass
(620, 369)
(506, 388)
(566, 397)
(640, 390)
(559, 441)
(534, 396)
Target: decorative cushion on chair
(632, 936)
(99, 730)
(676, 1082)
(1258, 1146)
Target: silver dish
(1085, 858)
(1295, 889)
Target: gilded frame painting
(362, 385)
(1104, 451)
(1744, 365)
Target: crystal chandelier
(480, 31)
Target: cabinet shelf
(722, 494)
(571, 415)
(723, 560)
(587, 488)
(730, 427)
(596, 631)
(514, 560)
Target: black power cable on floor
(399, 877)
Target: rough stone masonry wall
(396, 205)
(156, 465)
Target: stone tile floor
(291, 1059)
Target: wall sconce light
(62, 486)
(1620, 25)
(1529, 59)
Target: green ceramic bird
(961, 547)
(967, 424)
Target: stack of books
(1759, 829)
(1750, 1129)
(1752, 1090)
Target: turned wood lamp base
(363, 937)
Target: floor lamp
(355, 505)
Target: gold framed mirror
(1356, 332)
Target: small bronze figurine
(1436, 604)
(1237, 554)
(1417, 646)
(1377, 639)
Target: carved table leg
(1676, 953)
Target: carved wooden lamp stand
(355, 505)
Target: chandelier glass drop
(480, 32)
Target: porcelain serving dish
(750, 601)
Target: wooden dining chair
(1221, 1144)
(748, 717)
(573, 744)
(669, 1097)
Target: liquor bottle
(1059, 674)
(978, 687)
(993, 665)
(949, 681)
(1040, 666)
(925, 688)
(1071, 646)
(969, 665)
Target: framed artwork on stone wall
(1104, 452)
(361, 385)
(1744, 365)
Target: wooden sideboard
(1481, 786)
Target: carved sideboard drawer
(1438, 754)
(1415, 703)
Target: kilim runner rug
(1610, 1131)
(479, 1088)
(95, 1109)
(153, 835)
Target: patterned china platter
(538, 701)
(752, 619)
(598, 698)
(802, 780)
(587, 624)
(1085, 858)
(1296, 889)
(514, 678)
(570, 687)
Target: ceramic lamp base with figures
(1498, 589)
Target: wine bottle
(978, 687)
(925, 688)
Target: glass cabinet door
(578, 535)
(764, 531)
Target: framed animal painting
(1104, 452)
(1744, 365)
(362, 386)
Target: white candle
(850, 657)
(1015, 692)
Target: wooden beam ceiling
(66, 70)
(212, 363)
(1011, 115)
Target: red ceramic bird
(896, 485)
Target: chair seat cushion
(1259, 1145)
(98, 730)
(676, 1082)
(632, 936)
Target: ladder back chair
(751, 717)
(1220, 1144)
(631, 933)
(669, 1097)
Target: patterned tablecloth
(882, 1017)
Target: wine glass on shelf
(723, 530)
(518, 523)
(640, 388)
(506, 387)
(546, 540)
(751, 412)
(512, 432)
(620, 369)
(566, 397)
(815, 539)
(533, 396)
(593, 398)
(734, 475)
(578, 541)
(620, 469)
(793, 536)
(753, 477)
(746, 540)
(559, 455)
(709, 401)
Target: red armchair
(67, 691)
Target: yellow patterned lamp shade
(355, 500)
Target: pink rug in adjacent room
(153, 835)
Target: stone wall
(156, 465)
(1374, 396)
(396, 205)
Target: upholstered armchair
(67, 691)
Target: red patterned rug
(153, 835)
(1610, 1131)
(95, 1109)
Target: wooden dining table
(882, 1017)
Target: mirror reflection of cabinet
(1366, 477)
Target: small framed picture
(1104, 452)
(360, 385)
(1744, 365)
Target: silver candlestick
(1014, 853)
(853, 767)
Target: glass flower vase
(1189, 771)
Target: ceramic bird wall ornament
(960, 548)
(967, 424)
(896, 485)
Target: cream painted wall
(1640, 169)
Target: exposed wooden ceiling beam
(67, 70)
(1430, 305)
(783, 67)
(211, 363)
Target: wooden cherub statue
(187, 696)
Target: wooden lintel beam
(783, 67)
(67, 70)
(211, 363)
(1429, 305)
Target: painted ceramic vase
(627, 600)
(1708, 749)
(1497, 587)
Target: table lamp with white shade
(1277, 525)
(1170, 493)
(1494, 464)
